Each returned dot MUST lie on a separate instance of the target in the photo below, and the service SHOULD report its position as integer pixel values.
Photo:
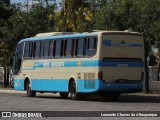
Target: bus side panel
(19, 84)
(54, 85)
(84, 86)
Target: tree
(76, 16)
(16, 24)
(6, 11)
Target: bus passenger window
(92, 43)
(51, 45)
(37, 49)
(62, 48)
(58, 48)
(65, 48)
(34, 49)
(85, 46)
(46, 49)
(73, 47)
(41, 48)
(76, 47)
(54, 48)
(69, 48)
(91, 46)
(18, 58)
(80, 47)
(30, 50)
(26, 50)
(95, 43)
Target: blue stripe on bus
(107, 63)
(86, 86)
(69, 36)
(109, 43)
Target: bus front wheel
(30, 93)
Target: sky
(22, 1)
(17, 1)
(29, 1)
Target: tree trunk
(146, 69)
(8, 72)
(158, 72)
(5, 75)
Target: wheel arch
(70, 81)
(25, 81)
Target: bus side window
(76, 47)
(80, 47)
(30, 50)
(46, 49)
(95, 43)
(37, 49)
(91, 46)
(51, 48)
(34, 49)
(18, 58)
(63, 48)
(58, 48)
(54, 48)
(85, 46)
(26, 50)
(73, 48)
(69, 48)
(41, 48)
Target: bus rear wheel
(73, 92)
(64, 94)
(30, 93)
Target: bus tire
(111, 97)
(30, 93)
(73, 93)
(64, 95)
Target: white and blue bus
(107, 63)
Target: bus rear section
(122, 62)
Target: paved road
(51, 102)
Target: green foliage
(17, 24)
(137, 15)
(152, 61)
(76, 16)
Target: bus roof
(60, 37)
(81, 35)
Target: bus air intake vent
(89, 80)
